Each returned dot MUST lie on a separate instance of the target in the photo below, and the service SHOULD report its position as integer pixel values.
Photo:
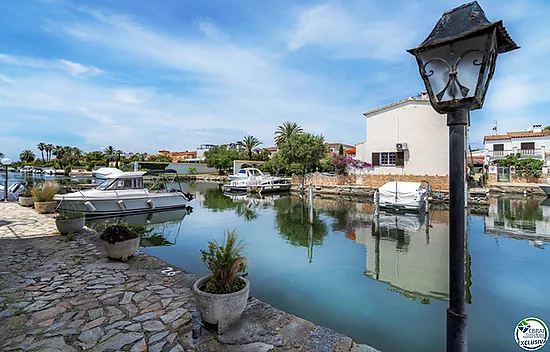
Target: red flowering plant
(343, 163)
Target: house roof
(351, 151)
(272, 149)
(338, 144)
(397, 103)
(521, 134)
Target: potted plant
(70, 221)
(43, 197)
(221, 297)
(120, 241)
(26, 198)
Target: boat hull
(98, 207)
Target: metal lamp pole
(456, 313)
(6, 162)
(456, 62)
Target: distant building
(272, 151)
(533, 143)
(179, 156)
(334, 148)
(406, 137)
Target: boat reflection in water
(523, 219)
(162, 234)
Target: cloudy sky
(145, 75)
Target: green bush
(45, 192)
(67, 170)
(227, 265)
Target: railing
(522, 152)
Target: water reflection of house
(522, 218)
(408, 255)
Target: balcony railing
(522, 152)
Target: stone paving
(60, 293)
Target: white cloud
(355, 29)
(77, 69)
(73, 68)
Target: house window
(387, 158)
(528, 146)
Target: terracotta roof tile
(520, 134)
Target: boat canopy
(125, 175)
(399, 191)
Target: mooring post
(311, 203)
(427, 204)
(376, 203)
(456, 313)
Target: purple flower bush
(343, 163)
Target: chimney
(537, 128)
(424, 95)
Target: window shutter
(400, 159)
(376, 159)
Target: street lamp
(6, 162)
(456, 62)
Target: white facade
(412, 121)
(534, 143)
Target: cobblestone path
(59, 293)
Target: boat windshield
(121, 183)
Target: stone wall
(373, 181)
(514, 178)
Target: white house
(534, 143)
(406, 137)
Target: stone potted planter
(221, 297)
(70, 222)
(43, 197)
(26, 198)
(119, 241)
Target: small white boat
(255, 181)
(402, 196)
(124, 193)
(13, 191)
(48, 171)
(103, 172)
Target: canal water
(383, 282)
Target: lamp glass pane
(464, 57)
(469, 55)
(437, 68)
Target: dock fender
(89, 205)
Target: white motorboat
(255, 181)
(124, 193)
(402, 196)
(14, 190)
(103, 172)
(48, 171)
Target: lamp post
(456, 62)
(6, 162)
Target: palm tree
(42, 146)
(249, 143)
(285, 131)
(110, 153)
(26, 156)
(49, 149)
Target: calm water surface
(388, 290)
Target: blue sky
(145, 75)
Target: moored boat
(408, 196)
(103, 172)
(545, 189)
(124, 193)
(253, 180)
